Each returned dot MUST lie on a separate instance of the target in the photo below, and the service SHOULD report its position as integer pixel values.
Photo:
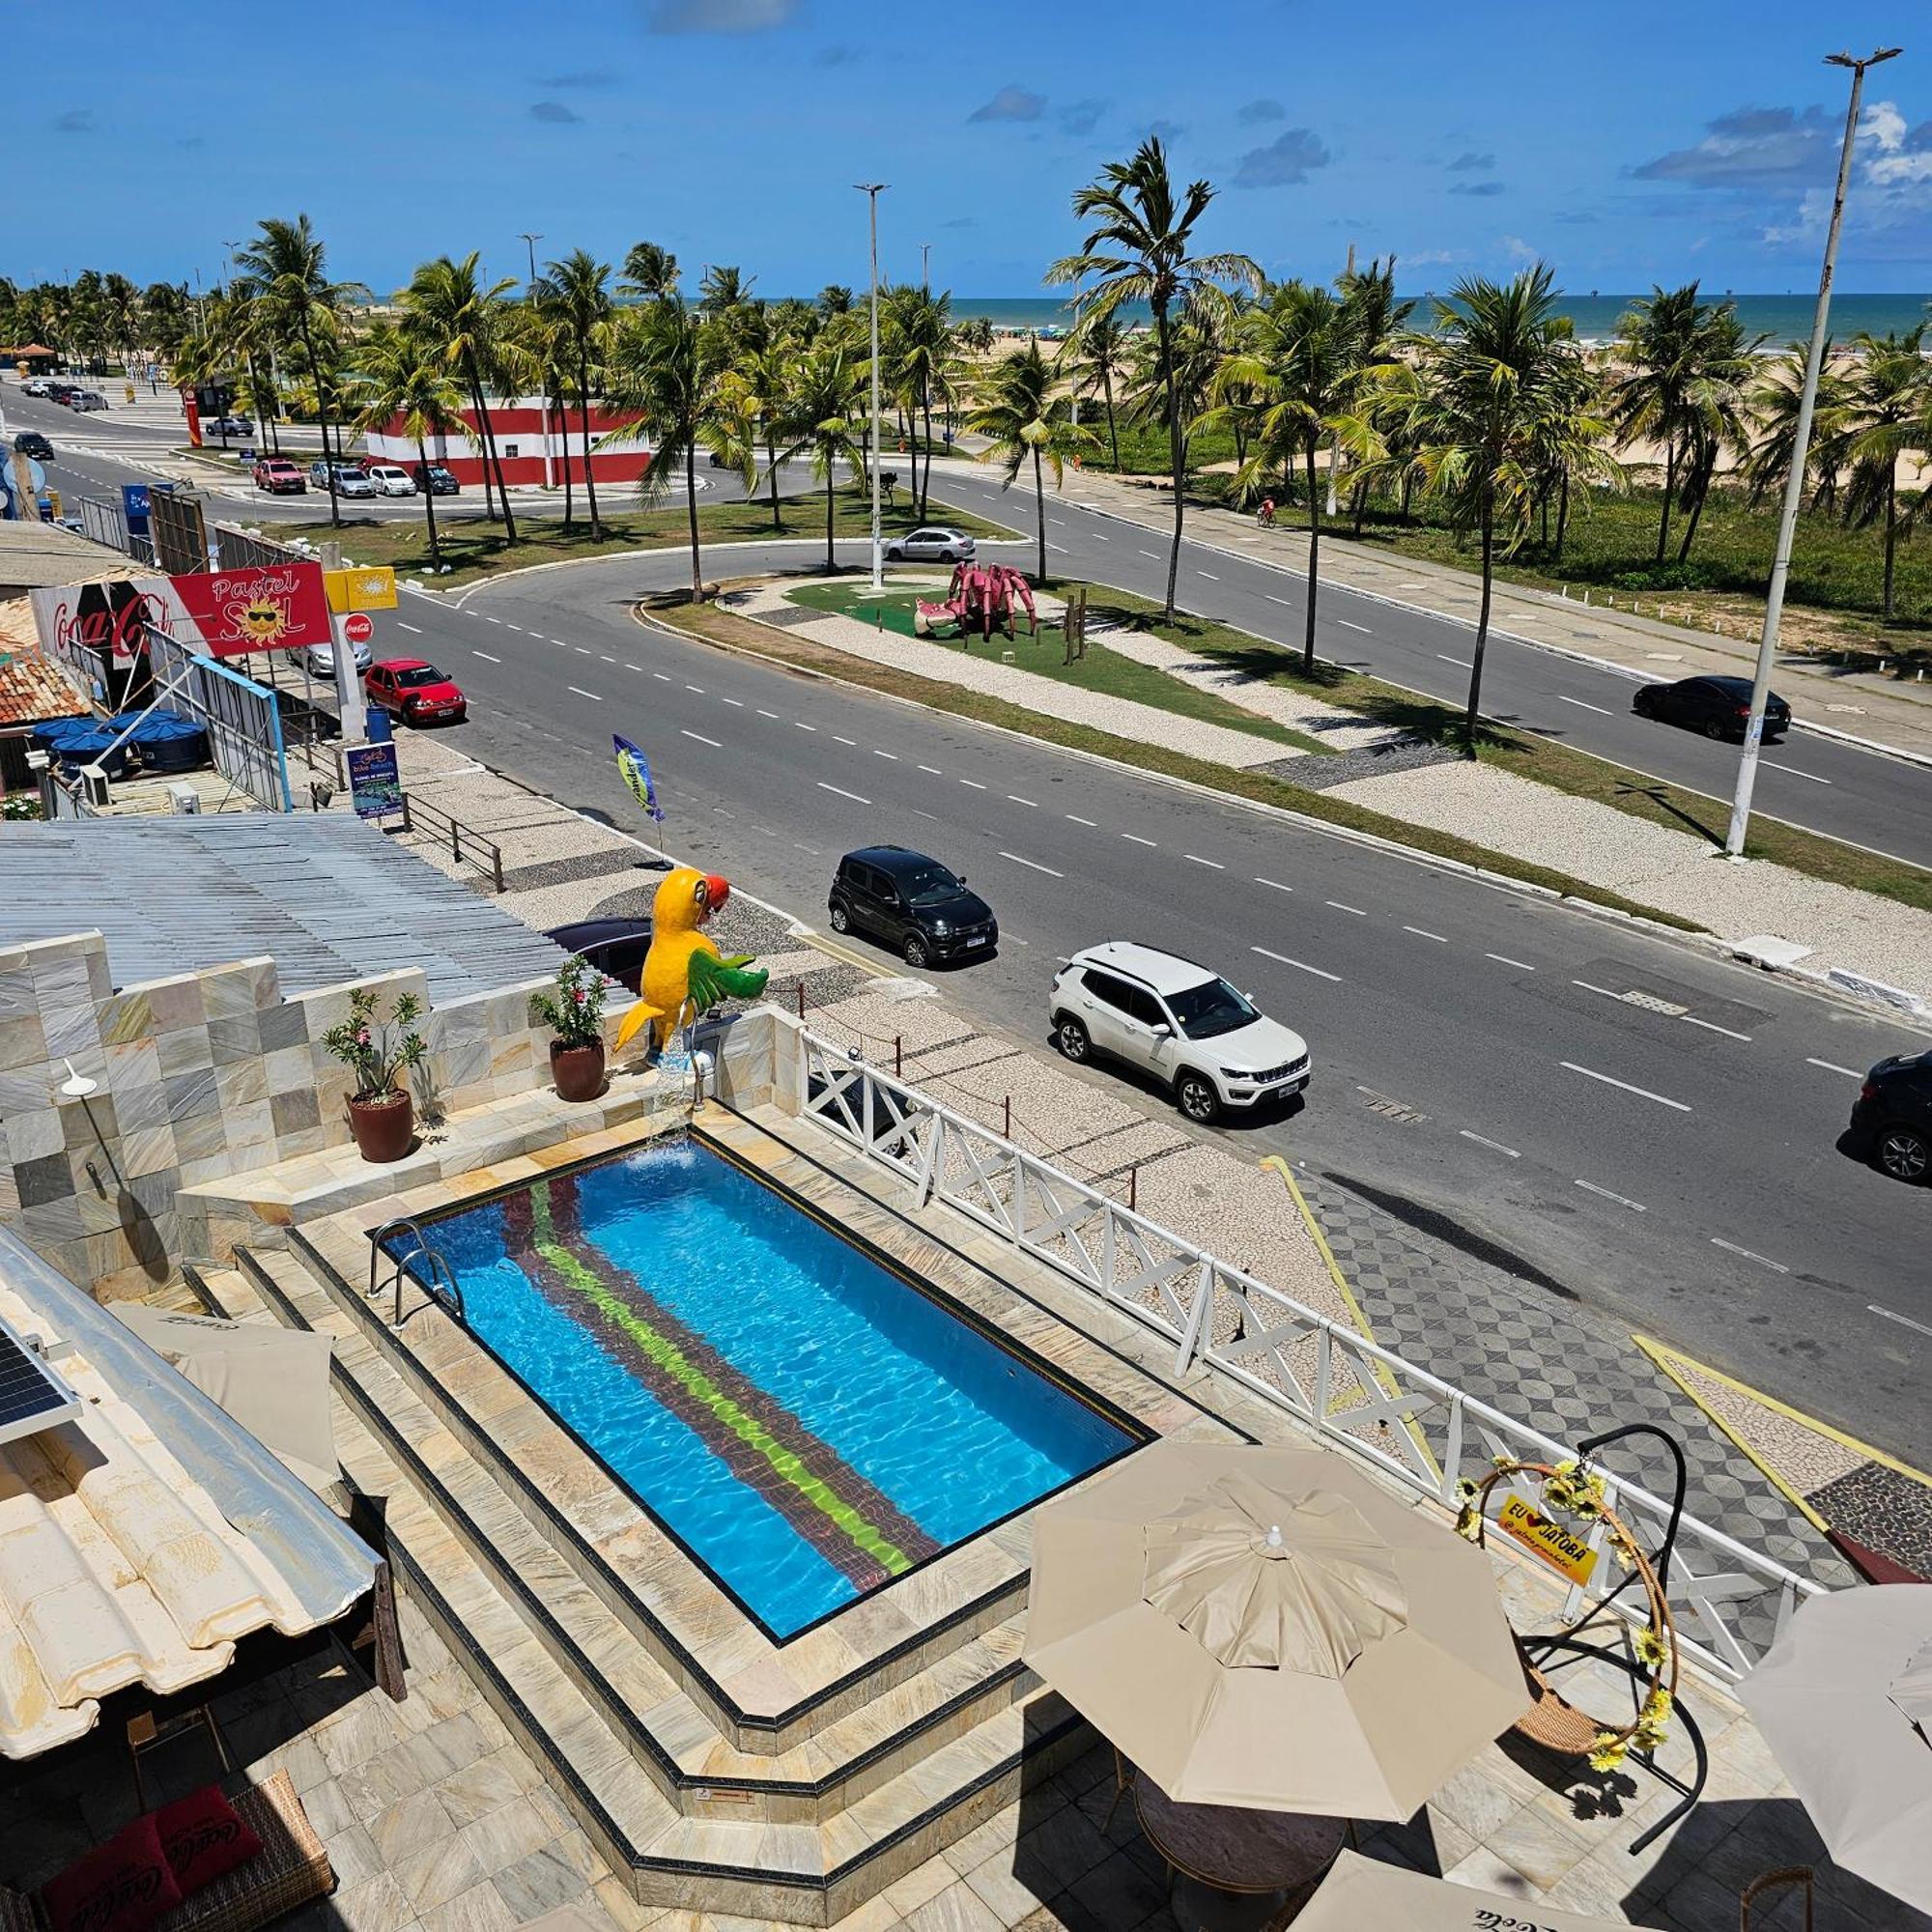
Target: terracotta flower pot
(383, 1129)
(577, 1071)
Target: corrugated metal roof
(328, 897)
(38, 556)
(139, 1542)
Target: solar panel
(32, 1396)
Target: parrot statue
(683, 971)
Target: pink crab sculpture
(981, 596)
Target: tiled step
(571, 1500)
(803, 1872)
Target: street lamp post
(531, 241)
(1794, 483)
(872, 192)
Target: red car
(416, 692)
(280, 477)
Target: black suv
(30, 443)
(913, 903)
(1892, 1116)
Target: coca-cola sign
(224, 614)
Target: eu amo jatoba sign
(372, 588)
(1560, 1547)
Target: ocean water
(806, 1423)
(1785, 318)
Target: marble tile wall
(201, 1076)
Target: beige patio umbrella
(272, 1380)
(1360, 1893)
(1266, 1628)
(1845, 1701)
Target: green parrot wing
(714, 979)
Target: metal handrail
(447, 1288)
(489, 859)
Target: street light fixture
(1801, 446)
(531, 241)
(871, 190)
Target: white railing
(1729, 1601)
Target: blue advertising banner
(375, 785)
(135, 503)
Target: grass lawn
(1101, 669)
(1529, 756)
(475, 549)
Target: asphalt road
(1481, 1068)
(1864, 797)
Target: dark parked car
(913, 904)
(434, 478)
(30, 443)
(615, 947)
(1892, 1116)
(1716, 706)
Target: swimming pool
(808, 1423)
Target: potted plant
(381, 1115)
(575, 1016)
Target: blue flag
(635, 769)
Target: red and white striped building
(534, 442)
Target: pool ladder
(439, 1282)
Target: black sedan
(1716, 706)
(30, 443)
(1891, 1118)
(912, 903)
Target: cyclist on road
(1264, 516)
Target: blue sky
(1626, 145)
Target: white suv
(1178, 1021)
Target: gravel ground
(1123, 717)
(1656, 865)
(1807, 1459)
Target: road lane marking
(1033, 865)
(1099, 538)
(702, 739)
(1622, 1200)
(1642, 1093)
(488, 619)
(736, 703)
(1794, 771)
(1273, 599)
(1892, 1314)
(661, 677)
(1763, 1261)
(581, 693)
(843, 793)
(1300, 965)
(1503, 959)
(608, 661)
(932, 771)
(631, 667)
(1273, 885)
(1561, 698)
(486, 657)
(1154, 553)
(1340, 907)
(1832, 1067)
(1590, 988)
(1078, 821)
(763, 713)
(893, 755)
(973, 784)
(698, 688)
(1061, 548)
(1135, 838)
(1466, 663)
(1483, 1140)
(1195, 859)
(1711, 1026)
(582, 650)
(415, 630)
(799, 726)
(1347, 626)
(837, 740)
(1016, 799)
(513, 626)
(1209, 575)
(1423, 932)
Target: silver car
(321, 659)
(931, 543)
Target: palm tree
(917, 332)
(582, 285)
(447, 303)
(284, 268)
(974, 335)
(1299, 359)
(763, 380)
(835, 298)
(1883, 416)
(1100, 357)
(1716, 411)
(650, 271)
(1774, 407)
(121, 314)
(1378, 322)
(534, 351)
(1138, 250)
(1024, 418)
(663, 364)
(1491, 415)
(403, 379)
(723, 289)
(828, 384)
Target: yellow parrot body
(684, 972)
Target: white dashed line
(1209, 575)
(1099, 538)
(1299, 965)
(843, 793)
(1422, 932)
(414, 630)
(932, 771)
(1347, 625)
(973, 784)
(1033, 805)
(601, 656)
(581, 693)
(1642, 1093)
(1563, 698)
(799, 725)
(893, 755)
(763, 713)
(1061, 548)
(1763, 1261)
(1503, 959)
(701, 739)
(1622, 1200)
(1483, 1140)
(1464, 662)
(1711, 1026)
(1033, 865)
(486, 657)
(512, 627)
(1590, 988)
(1154, 553)
(1795, 772)
(1135, 838)
(488, 619)
(636, 668)
(1892, 1314)
(736, 703)
(1273, 885)
(1832, 1067)
(582, 650)
(1195, 859)
(698, 688)
(837, 740)
(1340, 907)
(1273, 599)
(1078, 821)
(661, 677)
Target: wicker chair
(291, 1869)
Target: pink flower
(578, 996)
(362, 1036)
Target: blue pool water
(806, 1423)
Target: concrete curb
(1840, 990)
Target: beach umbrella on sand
(1267, 1627)
(1845, 1701)
(1361, 1892)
